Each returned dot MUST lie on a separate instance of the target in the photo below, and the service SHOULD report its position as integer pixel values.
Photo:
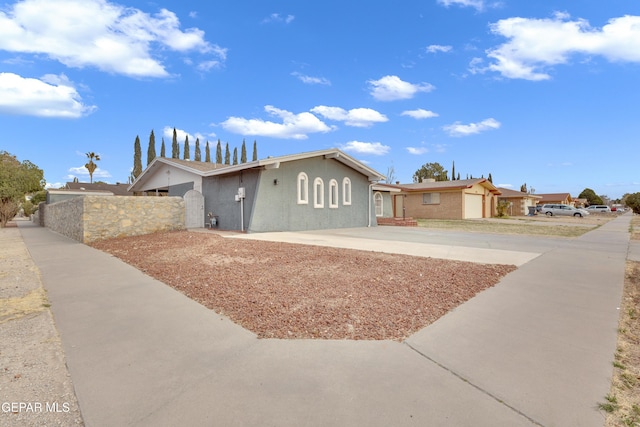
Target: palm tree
(91, 167)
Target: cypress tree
(453, 171)
(197, 156)
(175, 148)
(207, 153)
(243, 153)
(255, 151)
(137, 158)
(219, 153)
(151, 151)
(226, 155)
(490, 178)
(162, 149)
(235, 156)
(187, 153)
(458, 178)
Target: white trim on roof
(268, 163)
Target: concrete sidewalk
(526, 352)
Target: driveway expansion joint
(480, 389)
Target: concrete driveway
(534, 350)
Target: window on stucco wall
(346, 191)
(333, 193)
(318, 193)
(303, 189)
(430, 198)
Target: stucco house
(461, 199)
(519, 202)
(558, 198)
(306, 191)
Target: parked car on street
(552, 209)
(599, 208)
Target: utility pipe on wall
(370, 196)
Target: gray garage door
(194, 209)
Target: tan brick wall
(91, 218)
(450, 206)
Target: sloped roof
(189, 164)
(116, 189)
(386, 187)
(554, 197)
(448, 185)
(205, 169)
(508, 193)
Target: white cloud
(417, 150)
(357, 117)
(208, 65)
(51, 96)
(293, 126)
(374, 148)
(476, 4)
(82, 171)
(181, 135)
(96, 33)
(391, 88)
(458, 129)
(311, 80)
(438, 48)
(419, 114)
(276, 17)
(535, 44)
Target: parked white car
(551, 210)
(599, 208)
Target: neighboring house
(519, 202)
(580, 203)
(62, 194)
(117, 189)
(461, 199)
(558, 198)
(76, 189)
(314, 190)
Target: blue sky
(542, 93)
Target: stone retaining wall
(91, 218)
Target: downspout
(369, 203)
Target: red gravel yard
(283, 290)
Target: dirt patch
(282, 290)
(623, 402)
(15, 308)
(35, 385)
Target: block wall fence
(91, 218)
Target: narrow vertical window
(333, 193)
(318, 193)
(346, 191)
(303, 189)
(377, 199)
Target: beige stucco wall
(91, 218)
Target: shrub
(633, 201)
(501, 209)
